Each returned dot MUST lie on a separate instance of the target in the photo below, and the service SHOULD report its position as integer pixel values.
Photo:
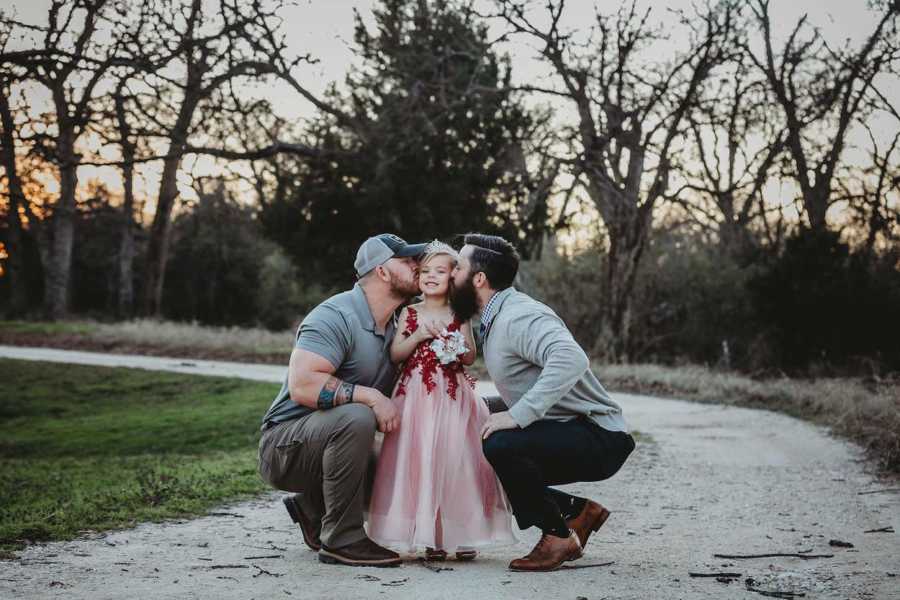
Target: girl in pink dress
(433, 487)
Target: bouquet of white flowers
(449, 346)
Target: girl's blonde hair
(437, 248)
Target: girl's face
(434, 275)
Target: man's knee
(358, 421)
(499, 446)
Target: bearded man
(560, 427)
(319, 432)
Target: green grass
(92, 448)
(48, 328)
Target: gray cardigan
(539, 369)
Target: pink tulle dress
(433, 487)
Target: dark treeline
(736, 200)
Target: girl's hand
(430, 330)
(422, 334)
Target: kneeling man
(561, 426)
(318, 433)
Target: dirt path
(704, 480)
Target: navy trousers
(546, 453)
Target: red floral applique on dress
(425, 358)
(411, 323)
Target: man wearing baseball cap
(319, 431)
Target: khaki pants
(327, 455)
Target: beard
(463, 300)
(404, 288)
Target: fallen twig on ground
(882, 491)
(775, 555)
(839, 544)
(715, 574)
(606, 564)
(267, 556)
(264, 572)
(887, 529)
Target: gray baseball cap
(380, 248)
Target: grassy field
(93, 448)
(90, 448)
(864, 410)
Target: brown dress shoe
(549, 554)
(592, 517)
(364, 553)
(308, 526)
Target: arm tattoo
(335, 393)
(344, 393)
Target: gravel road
(704, 480)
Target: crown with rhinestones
(438, 247)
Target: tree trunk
(60, 265)
(158, 244)
(18, 302)
(627, 240)
(125, 296)
(15, 244)
(815, 201)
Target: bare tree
(70, 64)
(207, 50)
(269, 176)
(125, 296)
(117, 124)
(631, 115)
(531, 170)
(16, 267)
(820, 91)
(736, 144)
(15, 230)
(873, 194)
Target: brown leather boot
(309, 527)
(592, 517)
(549, 554)
(364, 553)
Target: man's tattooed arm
(335, 393)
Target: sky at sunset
(324, 28)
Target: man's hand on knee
(497, 422)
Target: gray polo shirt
(342, 330)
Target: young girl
(433, 487)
